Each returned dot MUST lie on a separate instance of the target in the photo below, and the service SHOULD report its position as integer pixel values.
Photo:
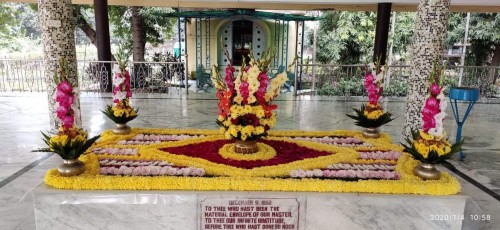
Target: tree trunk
(138, 34)
(495, 62)
(87, 29)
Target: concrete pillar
(428, 43)
(58, 40)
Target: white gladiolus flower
(120, 95)
(119, 80)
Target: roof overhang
(340, 5)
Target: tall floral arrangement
(372, 114)
(246, 111)
(121, 112)
(429, 144)
(70, 141)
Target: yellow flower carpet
(319, 161)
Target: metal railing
(94, 76)
(347, 80)
(158, 77)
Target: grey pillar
(58, 40)
(428, 43)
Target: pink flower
(60, 96)
(369, 77)
(65, 87)
(68, 121)
(62, 111)
(432, 103)
(342, 173)
(128, 171)
(429, 124)
(435, 90)
(244, 91)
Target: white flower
(120, 95)
(119, 80)
(116, 68)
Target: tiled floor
(22, 116)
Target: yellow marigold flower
(375, 114)
(446, 149)
(227, 123)
(227, 134)
(247, 130)
(238, 99)
(247, 109)
(259, 130)
(243, 136)
(59, 139)
(426, 136)
(233, 131)
(220, 118)
(222, 130)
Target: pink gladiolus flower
(68, 120)
(62, 111)
(428, 124)
(244, 91)
(369, 77)
(60, 96)
(435, 90)
(432, 103)
(65, 87)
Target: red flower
(286, 152)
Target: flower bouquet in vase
(429, 145)
(371, 116)
(70, 141)
(246, 111)
(121, 112)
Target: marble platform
(184, 210)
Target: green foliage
(348, 37)
(108, 111)
(484, 36)
(156, 25)
(70, 150)
(363, 121)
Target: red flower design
(286, 152)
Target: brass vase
(245, 147)
(371, 133)
(427, 171)
(73, 167)
(122, 129)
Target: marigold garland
(270, 178)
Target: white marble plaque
(249, 213)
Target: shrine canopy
(242, 12)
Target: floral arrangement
(245, 98)
(70, 141)
(121, 112)
(372, 114)
(180, 165)
(429, 145)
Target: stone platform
(179, 210)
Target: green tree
(8, 22)
(484, 37)
(348, 37)
(139, 25)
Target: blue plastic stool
(463, 94)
